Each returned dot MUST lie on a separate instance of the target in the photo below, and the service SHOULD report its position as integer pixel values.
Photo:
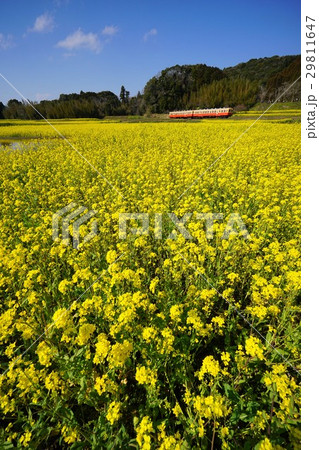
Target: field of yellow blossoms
(148, 343)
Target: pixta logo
(67, 220)
(234, 225)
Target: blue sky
(62, 46)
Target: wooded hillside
(178, 87)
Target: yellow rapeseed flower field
(149, 342)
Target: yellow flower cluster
(210, 367)
(144, 430)
(286, 388)
(45, 353)
(103, 347)
(211, 406)
(113, 412)
(254, 347)
(145, 375)
(85, 332)
(119, 353)
(143, 342)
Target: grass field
(280, 106)
(148, 341)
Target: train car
(202, 113)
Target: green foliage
(201, 86)
(1, 110)
(260, 69)
(85, 104)
(288, 75)
(281, 106)
(178, 87)
(167, 90)
(124, 95)
(225, 92)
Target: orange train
(202, 113)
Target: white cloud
(5, 41)
(152, 32)
(110, 30)
(42, 24)
(78, 40)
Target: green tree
(171, 88)
(2, 107)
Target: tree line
(177, 87)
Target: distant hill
(260, 69)
(243, 85)
(289, 74)
(167, 90)
(85, 104)
(259, 80)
